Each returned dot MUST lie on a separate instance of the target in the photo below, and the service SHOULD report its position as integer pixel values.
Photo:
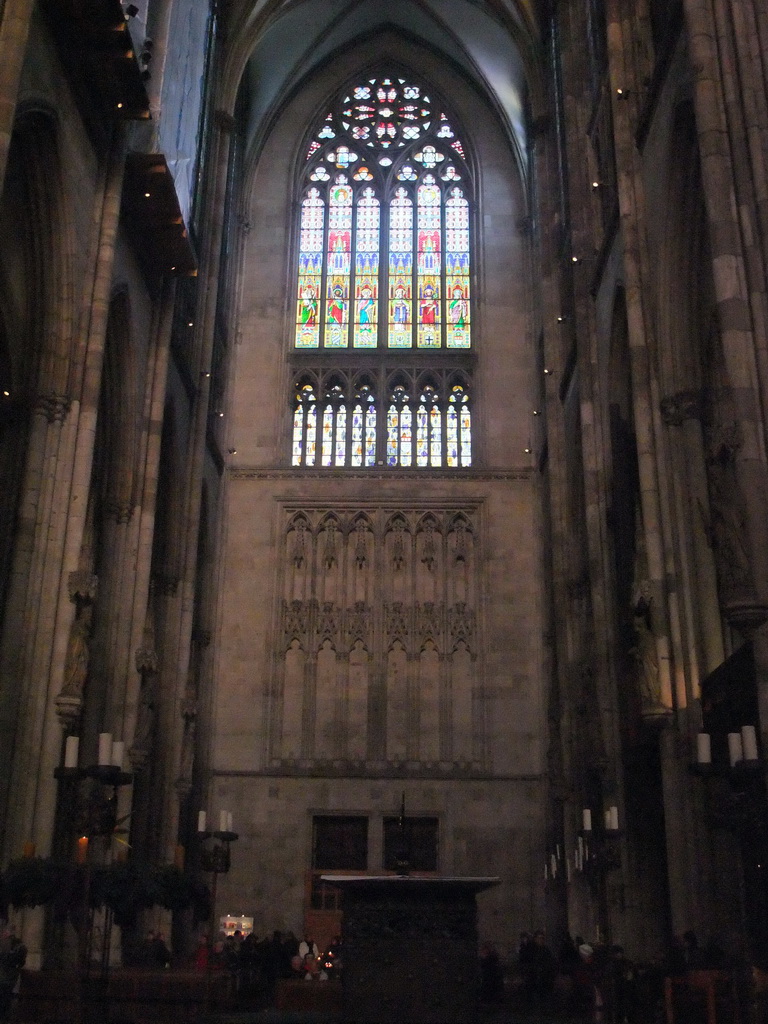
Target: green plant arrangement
(30, 882)
(35, 881)
(169, 887)
(122, 889)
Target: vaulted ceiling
(273, 45)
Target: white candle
(586, 820)
(553, 865)
(71, 750)
(735, 749)
(105, 748)
(201, 821)
(607, 818)
(613, 811)
(118, 750)
(703, 748)
(749, 742)
(222, 821)
(230, 827)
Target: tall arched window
(382, 333)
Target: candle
(553, 865)
(81, 853)
(105, 748)
(201, 816)
(607, 818)
(735, 749)
(703, 748)
(222, 821)
(586, 819)
(230, 827)
(71, 750)
(118, 750)
(749, 742)
(614, 813)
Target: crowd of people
(13, 956)
(256, 965)
(598, 982)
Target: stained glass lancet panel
(457, 269)
(367, 241)
(310, 270)
(339, 264)
(429, 267)
(400, 270)
(304, 426)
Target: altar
(410, 948)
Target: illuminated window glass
(383, 278)
(383, 168)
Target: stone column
(720, 79)
(68, 458)
(180, 608)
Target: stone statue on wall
(78, 654)
(645, 655)
(727, 517)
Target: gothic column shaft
(14, 32)
(55, 555)
(645, 397)
(728, 218)
(176, 651)
(576, 106)
(125, 701)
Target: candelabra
(215, 858)
(735, 785)
(89, 814)
(597, 854)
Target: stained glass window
(427, 421)
(383, 277)
(385, 165)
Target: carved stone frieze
(461, 623)
(146, 656)
(54, 407)
(396, 619)
(295, 620)
(68, 708)
(429, 620)
(328, 621)
(119, 512)
(358, 623)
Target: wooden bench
(709, 992)
(302, 996)
(138, 997)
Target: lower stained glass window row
(422, 433)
